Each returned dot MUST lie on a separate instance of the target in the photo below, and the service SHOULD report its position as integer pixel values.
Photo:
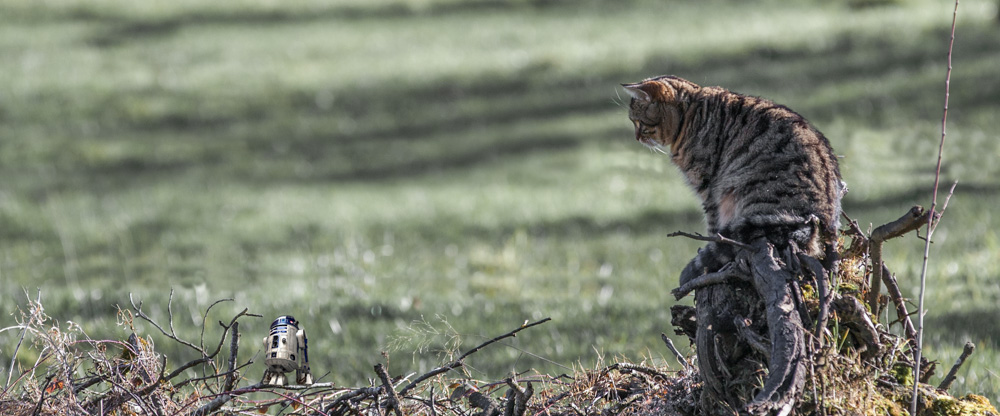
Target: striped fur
(760, 169)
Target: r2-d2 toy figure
(286, 349)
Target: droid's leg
(303, 376)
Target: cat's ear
(635, 91)
(650, 90)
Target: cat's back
(770, 167)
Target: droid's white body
(286, 349)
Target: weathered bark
(853, 316)
(716, 340)
(911, 221)
(683, 319)
(948, 379)
(746, 316)
(786, 369)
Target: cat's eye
(643, 129)
(646, 129)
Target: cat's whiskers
(619, 100)
(655, 147)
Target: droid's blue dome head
(284, 320)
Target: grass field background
(465, 165)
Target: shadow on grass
(648, 222)
(663, 222)
(919, 195)
(124, 28)
(978, 325)
(374, 133)
(457, 161)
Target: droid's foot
(303, 377)
(274, 378)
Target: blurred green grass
(364, 165)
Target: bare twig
(947, 199)
(210, 358)
(549, 403)
(221, 399)
(234, 346)
(897, 299)
(431, 399)
(234, 372)
(206, 357)
(718, 238)
(522, 404)
(930, 220)
(517, 398)
(186, 366)
(212, 406)
(673, 349)
(297, 399)
(459, 362)
(120, 395)
(345, 398)
(204, 320)
(727, 273)
(623, 367)
(232, 326)
(394, 403)
(511, 399)
(909, 222)
(170, 314)
(948, 379)
(860, 238)
(24, 329)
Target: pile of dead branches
(74, 375)
(841, 361)
(778, 334)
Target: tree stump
(750, 317)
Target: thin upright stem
(931, 225)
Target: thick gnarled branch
(727, 274)
(909, 222)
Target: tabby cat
(760, 169)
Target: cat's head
(656, 109)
